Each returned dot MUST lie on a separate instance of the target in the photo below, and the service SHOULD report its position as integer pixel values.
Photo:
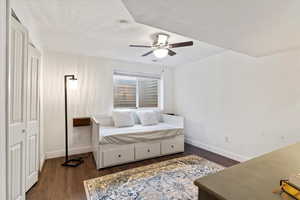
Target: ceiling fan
(161, 47)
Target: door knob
(24, 130)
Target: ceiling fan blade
(144, 46)
(146, 54)
(181, 44)
(171, 53)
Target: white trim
(3, 83)
(137, 94)
(72, 151)
(41, 125)
(217, 150)
(136, 74)
(42, 161)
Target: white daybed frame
(107, 155)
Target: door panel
(32, 159)
(16, 161)
(32, 168)
(17, 111)
(33, 84)
(17, 76)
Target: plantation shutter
(133, 90)
(148, 92)
(124, 92)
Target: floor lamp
(74, 162)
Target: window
(124, 92)
(135, 90)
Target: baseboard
(217, 150)
(72, 151)
(42, 161)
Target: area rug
(171, 179)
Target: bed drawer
(118, 156)
(172, 145)
(146, 150)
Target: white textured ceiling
(93, 28)
(253, 27)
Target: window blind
(148, 92)
(136, 90)
(124, 92)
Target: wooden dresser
(255, 179)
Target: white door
(32, 142)
(17, 111)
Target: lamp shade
(73, 83)
(161, 53)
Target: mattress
(137, 133)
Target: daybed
(114, 146)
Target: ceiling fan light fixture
(162, 39)
(160, 53)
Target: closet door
(17, 111)
(32, 141)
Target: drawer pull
(172, 146)
(148, 150)
(119, 155)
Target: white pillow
(123, 118)
(148, 118)
(158, 115)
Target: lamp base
(75, 162)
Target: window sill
(136, 109)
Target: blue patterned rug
(167, 180)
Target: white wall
(93, 96)
(240, 106)
(3, 4)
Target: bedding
(123, 118)
(158, 115)
(137, 133)
(148, 118)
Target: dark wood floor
(61, 183)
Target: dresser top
(254, 179)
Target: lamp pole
(75, 161)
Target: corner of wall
(216, 150)
(42, 162)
